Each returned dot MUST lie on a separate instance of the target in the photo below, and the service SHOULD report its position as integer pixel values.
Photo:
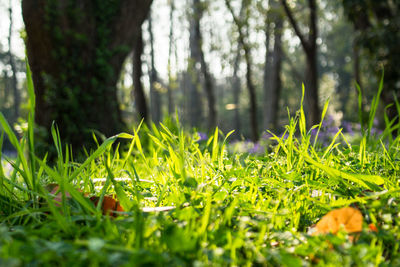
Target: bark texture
(76, 50)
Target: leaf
(371, 182)
(372, 227)
(348, 218)
(54, 189)
(109, 205)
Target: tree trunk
(155, 104)
(76, 54)
(236, 92)
(196, 105)
(138, 91)
(171, 82)
(311, 89)
(209, 90)
(208, 83)
(252, 94)
(14, 83)
(275, 81)
(310, 49)
(249, 73)
(267, 76)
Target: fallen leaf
(53, 188)
(372, 227)
(348, 218)
(109, 205)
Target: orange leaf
(109, 205)
(348, 218)
(372, 227)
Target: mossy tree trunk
(76, 49)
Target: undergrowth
(189, 202)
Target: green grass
(219, 209)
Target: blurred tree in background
(243, 60)
(377, 26)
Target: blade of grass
(99, 151)
(14, 141)
(371, 182)
(374, 106)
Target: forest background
(235, 64)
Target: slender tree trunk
(236, 91)
(252, 94)
(171, 82)
(309, 45)
(196, 108)
(76, 55)
(267, 77)
(209, 90)
(138, 91)
(154, 94)
(208, 83)
(249, 73)
(14, 83)
(311, 86)
(6, 88)
(275, 81)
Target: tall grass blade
(99, 151)
(374, 106)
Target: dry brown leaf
(348, 218)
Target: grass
(190, 202)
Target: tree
(377, 25)
(236, 86)
(76, 50)
(202, 76)
(242, 25)
(195, 96)
(309, 45)
(171, 82)
(138, 91)
(155, 100)
(14, 83)
(272, 72)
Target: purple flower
(202, 136)
(256, 149)
(376, 131)
(314, 132)
(348, 127)
(266, 136)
